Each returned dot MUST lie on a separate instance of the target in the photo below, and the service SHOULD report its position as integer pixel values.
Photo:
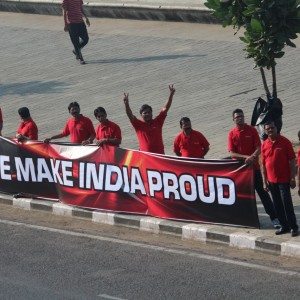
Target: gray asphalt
(38, 264)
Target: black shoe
(77, 57)
(294, 232)
(282, 231)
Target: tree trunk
(265, 81)
(274, 82)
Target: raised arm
(170, 99)
(127, 107)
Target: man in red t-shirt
(107, 132)
(27, 129)
(244, 143)
(149, 130)
(73, 17)
(190, 142)
(79, 127)
(278, 160)
(1, 122)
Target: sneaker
(276, 223)
(77, 57)
(82, 62)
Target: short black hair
(24, 112)
(98, 110)
(269, 122)
(184, 119)
(237, 111)
(73, 104)
(144, 107)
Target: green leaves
(269, 25)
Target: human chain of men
(276, 173)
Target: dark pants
(79, 36)
(264, 195)
(282, 198)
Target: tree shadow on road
(32, 87)
(143, 59)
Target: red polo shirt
(108, 130)
(244, 141)
(192, 145)
(29, 129)
(276, 157)
(73, 9)
(149, 134)
(79, 129)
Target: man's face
(186, 125)
(147, 114)
(239, 119)
(74, 111)
(271, 130)
(101, 117)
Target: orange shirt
(276, 157)
(192, 145)
(149, 134)
(29, 129)
(79, 129)
(108, 130)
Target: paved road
(51, 257)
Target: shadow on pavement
(32, 87)
(142, 59)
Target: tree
(269, 26)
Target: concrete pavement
(205, 62)
(159, 10)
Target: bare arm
(66, 26)
(54, 137)
(1, 126)
(127, 107)
(298, 169)
(170, 99)
(293, 173)
(109, 141)
(249, 159)
(87, 21)
(264, 176)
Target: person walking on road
(79, 128)
(278, 160)
(149, 130)
(244, 143)
(107, 132)
(73, 17)
(190, 142)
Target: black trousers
(281, 194)
(79, 36)
(264, 195)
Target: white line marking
(156, 248)
(109, 297)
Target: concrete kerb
(233, 237)
(134, 11)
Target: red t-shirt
(276, 157)
(149, 134)
(73, 9)
(192, 145)
(244, 141)
(79, 129)
(108, 130)
(29, 129)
